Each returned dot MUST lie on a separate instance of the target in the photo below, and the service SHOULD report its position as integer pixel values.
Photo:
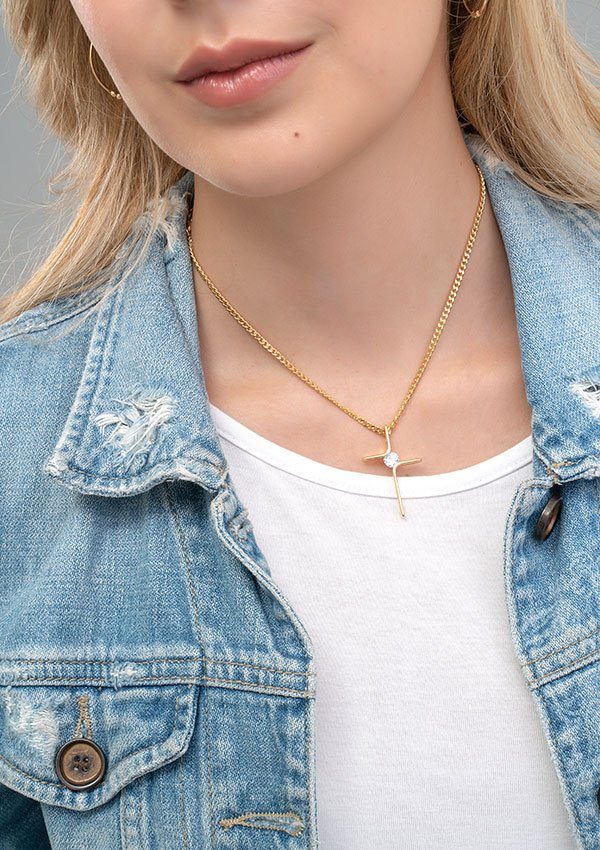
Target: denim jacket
(157, 689)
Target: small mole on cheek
(296, 133)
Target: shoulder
(43, 350)
(47, 315)
(42, 355)
(531, 213)
(41, 321)
(41, 346)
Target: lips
(235, 54)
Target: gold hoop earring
(112, 93)
(478, 12)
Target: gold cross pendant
(392, 461)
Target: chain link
(294, 369)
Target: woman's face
(367, 67)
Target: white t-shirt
(427, 736)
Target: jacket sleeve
(21, 823)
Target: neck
(357, 264)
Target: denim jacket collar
(141, 414)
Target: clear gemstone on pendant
(391, 459)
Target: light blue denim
(130, 575)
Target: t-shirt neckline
(414, 486)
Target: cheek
(98, 20)
(367, 62)
(391, 49)
(84, 9)
(119, 30)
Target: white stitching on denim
(558, 651)
(552, 673)
(209, 767)
(84, 717)
(251, 686)
(289, 822)
(190, 659)
(182, 804)
(308, 763)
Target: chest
(166, 640)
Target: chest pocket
(75, 746)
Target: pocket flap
(137, 728)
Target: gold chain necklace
(390, 458)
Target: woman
(299, 537)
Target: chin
(262, 174)
(259, 183)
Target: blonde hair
(519, 78)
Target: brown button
(80, 764)
(550, 513)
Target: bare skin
(333, 212)
(351, 293)
(469, 405)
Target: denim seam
(244, 558)
(560, 758)
(308, 770)
(24, 328)
(139, 808)
(99, 350)
(182, 803)
(131, 808)
(211, 798)
(147, 474)
(190, 680)
(29, 776)
(172, 508)
(549, 468)
(141, 749)
(562, 649)
(106, 345)
(251, 686)
(124, 823)
(159, 660)
(129, 755)
(509, 545)
(572, 665)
